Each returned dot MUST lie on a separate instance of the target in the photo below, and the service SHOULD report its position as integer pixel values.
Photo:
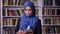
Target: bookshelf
(0, 16)
(12, 10)
(47, 10)
(51, 16)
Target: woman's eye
(28, 10)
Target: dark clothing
(37, 30)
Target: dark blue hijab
(28, 21)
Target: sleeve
(18, 24)
(21, 23)
(33, 24)
(38, 27)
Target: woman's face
(28, 11)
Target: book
(18, 1)
(55, 21)
(9, 31)
(5, 2)
(48, 2)
(8, 22)
(4, 21)
(53, 12)
(43, 12)
(47, 21)
(50, 30)
(49, 12)
(58, 30)
(4, 31)
(4, 12)
(14, 21)
(18, 13)
(14, 2)
(13, 13)
(10, 2)
(21, 12)
(10, 13)
(57, 2)
(43, 30)
(35, 2)
(58, 11)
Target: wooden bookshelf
(51, 16)
(12, 10)
(50, 10)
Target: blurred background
(0, 16)
(47, 10)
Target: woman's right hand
(29, 31)
(20, 32)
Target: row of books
(10, 22)
(7, 12)
(51, 30)
(51, 21)
(35, 2)
(51, 2)
(13, 2)
(12, 12)
(9, 31)
(13, 21)
(54, 21)
(51, 12)
(17, 2)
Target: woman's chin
(27, 15)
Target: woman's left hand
(20, 32)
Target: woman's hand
(29, 31)
(20, 32)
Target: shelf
(16, 7)
(12, 7)
(10, 26)
(11, 16)
(52, 16)
(51, 7)
(14, 16)
(51, 25)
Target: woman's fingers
(20, 32)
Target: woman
(29, 21)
